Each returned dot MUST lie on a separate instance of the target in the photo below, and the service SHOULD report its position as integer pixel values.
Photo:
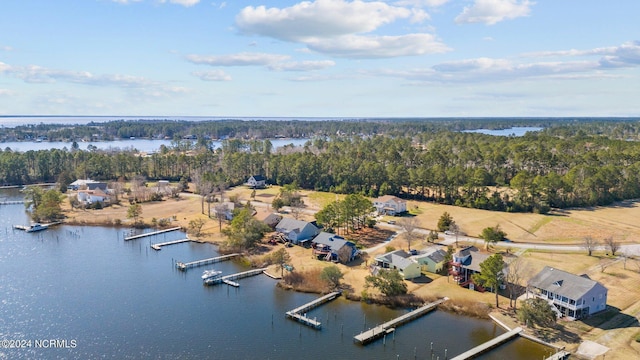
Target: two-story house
(574, 296)
(389, 205)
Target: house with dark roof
(575, 297)
(431, 259)
(465, 263)
(257, 181)
(297, 231)
(401, 261)
(331, 247)
(272, 220)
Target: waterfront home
(401, 261)
(87, 184)
(89, 197)
(431, 259)
(272, 220)
(575, 297)
(297, 231)
(389, 205)
(464, 264)
(331, 247)
(224, 210)
(257, 181)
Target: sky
(320, 58)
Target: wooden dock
(228, 279)
(16, 202)
(366, 337)
(560, 355)
(295, 314)
(159, 246)
(192, 264)
(151, 233)
(482, 348)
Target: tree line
(554, 168)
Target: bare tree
(455, 228)
(612, 245)
(296, 207)
(221, 213)
(589, 244)
(514, 278)
(409, 225)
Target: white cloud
(240, 59)
(6, 48)
(491, 12)
(318, 19)
(369, 47)
(302, 65)
(421, 3)
(6, 92)
(627, 54)
(212, 75)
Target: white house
(390, 205)
(257, 181)
(92, 196)
(332, 247)
(224, 209)
(574, 296)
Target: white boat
(210, 274)
(36, 227)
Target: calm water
(514, 131)
(142, 145)
(122, 300)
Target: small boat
(210, 274)
(36, 227)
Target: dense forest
(570, 163)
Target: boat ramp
(299, 313)
(184, 266)
(151, 233)
(159, 246)
(228, 279)
(389, 327)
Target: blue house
(297, 231)
(331, 247)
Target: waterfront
(123, 300)
(513, 131)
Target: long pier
(151, 233)
(295, 313)
(11, 202)
(159, 246)
(366, 337)
(228, 279)
(482, 348)
(192, 264)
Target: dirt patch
(368, 237)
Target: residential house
(272, 220)
(297, 231)
(390, 205)
(465, 263)
(432, 259)
(224, 209)
(257, 181)
(87, 184)
(574, 296)
(332, 247)
(93, 196)
(400, 260)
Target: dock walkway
(10, 202)
(192, 264)
(489, 345)
(228, 279)
(560, 355)
(295, 314)
(151, 233)
(159, 246)
(367, 336)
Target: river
(103, 297)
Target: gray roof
(564, 283)
(398, 258)
(334, 241)
(289, 224)
(258, 178)
(434, 254)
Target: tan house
(401, 261)
(390, 205)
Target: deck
(228, 279)
(366, 337)
(192, 264)
(295, 314)
(151, 233)
(482, 348)
(560, 355)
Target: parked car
(392, 222)
(449, 232)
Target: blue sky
(320, 58)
